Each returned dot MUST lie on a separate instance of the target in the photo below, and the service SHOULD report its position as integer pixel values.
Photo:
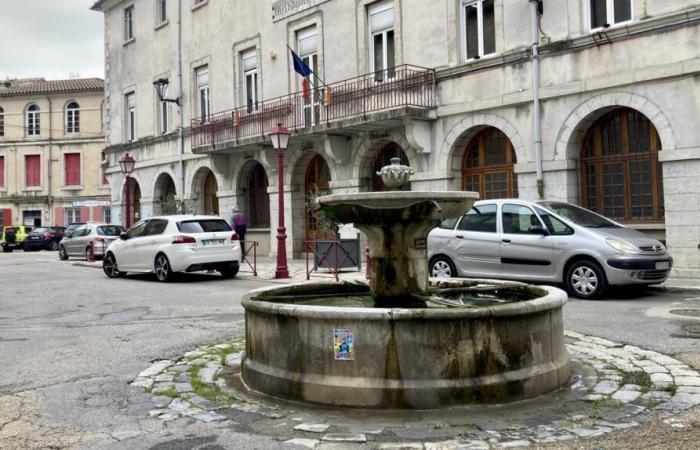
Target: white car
(168, 244)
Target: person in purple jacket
(238, 223)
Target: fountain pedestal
(397, 225)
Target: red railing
(402, 86)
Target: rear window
(203, 226)
(109, 230)
(42, 230)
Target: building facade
(51, 152)
(445, 85)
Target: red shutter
(84, 214)
(97, 213)
(7, 216)
(59, 217)
(2, 171)
(72, 167)
(32, 167)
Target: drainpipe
(537, 124)
(50, 197)
(180, 109)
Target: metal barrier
(332, 255)
(246, 252)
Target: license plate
(33, 237)
(211, 242)
(662, 265)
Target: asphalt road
(71, 340)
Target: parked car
(78, 244)
(168, 244)
(549, 242)
(44, 238)
(15, 242)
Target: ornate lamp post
(280, 139)
(126, 163)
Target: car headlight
(659, 244)
(621, 246)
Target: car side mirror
(68, 234)
(124, 236)
(537, 229)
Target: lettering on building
(285, 8)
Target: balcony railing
(402, 86)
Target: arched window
(73, 118)
(383, 158)
(258, 199)
(487, 166)
(620, 171)
(33, 125)
(316, 182)
(2, 122)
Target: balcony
(353, 104)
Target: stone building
(446, 85)
(51, 152)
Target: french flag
(304, 70)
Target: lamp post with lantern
(126, 164)
(280, 140)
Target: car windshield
(203, 226)
(579, 216)
(110, 230)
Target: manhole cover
(686, 312)
(692, 330)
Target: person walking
(238, 223)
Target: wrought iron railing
(402, 86)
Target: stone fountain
(404, 341)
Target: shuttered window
(72, 168)
(32, 170)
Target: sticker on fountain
(343, 347)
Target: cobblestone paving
(614, 387)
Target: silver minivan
(549, 242)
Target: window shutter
(59, 217)
(97, 213)
(32, 169)
(7, 216)
(84, 214)
(2, 171)
(72, 168)
(381, 17)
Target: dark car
(44, 238)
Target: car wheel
(585, 280)
(110, 267)
(54, 246)
(162, 268)
(228, 273)
(62, 253)
(6, 249)
(442, 267)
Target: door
(150, 243)
(316, 182)
(526, 249)
(476, 242)
(73, 244)
(127, 254)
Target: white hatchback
(167, 244)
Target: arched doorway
(257, 199)
(620, 171)
(211, 200)
(132, 211)
(316, 180)
(391, 150)
(164, 195)
(487, 165)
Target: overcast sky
(51, 39)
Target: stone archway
(487, 165)
(253, 197)
(164, 195)
(131, 194)
(204, 189)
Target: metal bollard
(91, 251)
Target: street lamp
(280, 139)
(161, 85)
(126, 164)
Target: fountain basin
(404, 358)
